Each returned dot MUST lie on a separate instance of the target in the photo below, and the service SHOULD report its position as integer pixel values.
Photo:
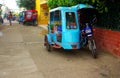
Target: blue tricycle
(71, 28)
(21, 17)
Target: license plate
(88, 31)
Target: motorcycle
(88, 33)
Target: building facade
(43, 11)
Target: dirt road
(22, 55)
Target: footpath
(43, 26)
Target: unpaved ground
(22, 55)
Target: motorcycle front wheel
(92, 47)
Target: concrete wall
(43, 11)
(38, 9)
(44, 14)
(108, 40)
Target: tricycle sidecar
(30, 16)
(66, 28)
(21, 17)
(63, 29)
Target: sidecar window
(70, 20)
(55, 17)
(55, 20)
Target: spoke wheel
(94, 53)
(92, 47)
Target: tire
(35, 23)
(94, 53)
(24, 22)
(48, 46)
(92, 48)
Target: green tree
(111, 18)
(55, 3)
(28, 4)
(66, 2)
(0, 9)
(52, 3)
(99, 4)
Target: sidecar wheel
(48, 46)
(24, 23)
(35, 23)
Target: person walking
(10, 18)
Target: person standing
(10, 18)
(34, 18)
(1, 19)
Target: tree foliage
(55, 3)
(28, 4)
(109, 14)
(52, 3)
(99, 4)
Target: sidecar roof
(80, 6)
(61, 8)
